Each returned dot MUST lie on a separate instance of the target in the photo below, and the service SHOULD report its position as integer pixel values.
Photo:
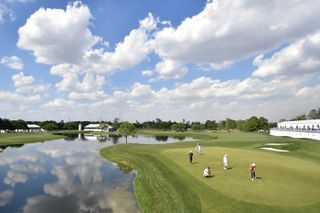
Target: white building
(305, 125)
(35, 128)
(98, 128)
(298, 129)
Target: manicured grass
(281, 180)
(22, 138)
(289, 182)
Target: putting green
(281, 180)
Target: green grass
(281, 180)
(22, 138)
(167, 183)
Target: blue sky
(174, 60)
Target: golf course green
(30, 137)
(167, 182)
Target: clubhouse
(34, 128)
(98, 128)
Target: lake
(68, 175)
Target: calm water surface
(68, 175)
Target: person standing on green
(253, 171)
(198, 148)
(225, 162)
(190, 156)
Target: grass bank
(288, 182)
(22, 138)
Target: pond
(138, 139)
(68, 175)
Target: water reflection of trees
(163, 138)
(70, 137)
(179, 137)
(3, 147)
(114, 138)
(102, 138)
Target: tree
(221, 124)
(230, 124)
(126, 129)
(71, 125)
(240, 124)
(18, 124)
(5, 124)
(179, 127)
(251, 124)
(50, 126)
(212, 125)
(272, 125)
(103, 126)
(197, 127)
(138, 125)
(314, 114)
(116, 123)
(263, 123)
(61, 124)
(299, 117)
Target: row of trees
(251, 124)
(12, 124)
(48, 125)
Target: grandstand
(298, 129)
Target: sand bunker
(276, 144)
(274, 150)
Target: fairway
(282, 180)
(286, 182)
(30, 137)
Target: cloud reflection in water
(73, 178)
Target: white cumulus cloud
(58, 36)
(13, 62)
(234, 30)
(131, 51)
(25, 84)
(170, 69)
(299, 58)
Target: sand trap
(274, 150)
(276, 144)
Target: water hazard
(68, 175)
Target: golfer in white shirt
(225, 162)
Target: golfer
(207, 172)
(225, 162)
(190, 156)
(198, 148)
(253, 171)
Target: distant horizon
(141, 121)
(197, 60)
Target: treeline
(7, 124)
(251, 124)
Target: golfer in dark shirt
(190, 156)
